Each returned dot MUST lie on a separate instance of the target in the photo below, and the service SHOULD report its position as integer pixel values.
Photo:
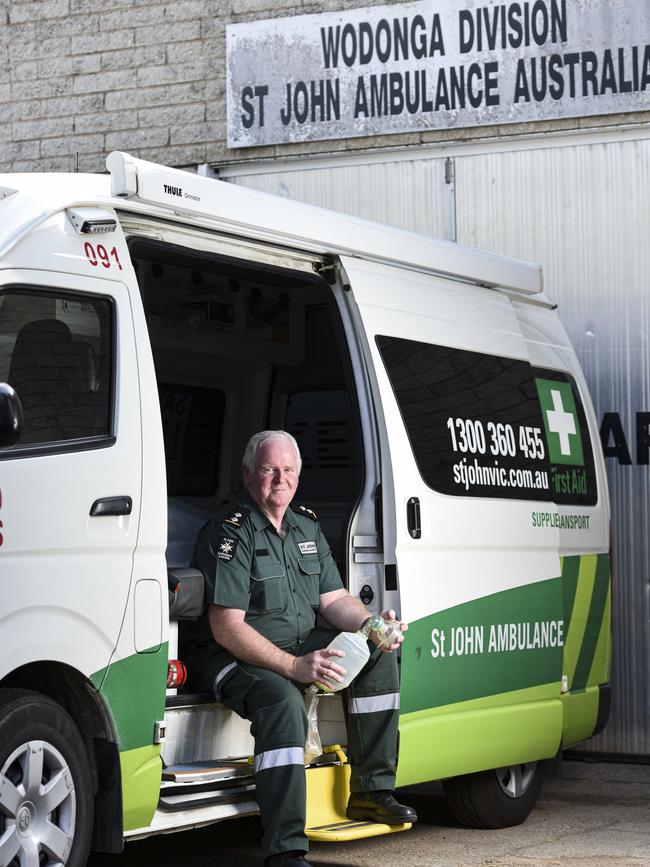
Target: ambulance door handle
(413, 518)
(111, 506)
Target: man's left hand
(390, 617)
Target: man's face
(274, 479)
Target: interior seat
(48, 377)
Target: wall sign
(434, 64)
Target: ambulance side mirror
(11, 416)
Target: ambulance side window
(474, 420)
(485, 426)
(56, 351)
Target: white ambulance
(150, 321)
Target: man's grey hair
(260, 439)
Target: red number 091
(99, 255)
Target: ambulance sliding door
(464, 467)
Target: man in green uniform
(269, 571)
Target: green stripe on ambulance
(491, 651)
(135, 704)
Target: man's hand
(347, 614)
(318, 666)
(399, 630)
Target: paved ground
(594, 814)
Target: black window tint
(192, 419)
(473, 419)
(56, 352)
(571, 458)
(323, 424)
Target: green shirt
(276, 581)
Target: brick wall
(79, 78)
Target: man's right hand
(318, 666)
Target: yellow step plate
(348, 830)
(328, 789)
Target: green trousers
(275, 707)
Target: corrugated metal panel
(583, 212)
(411, 195)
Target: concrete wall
(79, 78)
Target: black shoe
(294, 858)
(379, 806)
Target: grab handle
(413, 518)
(111, 506)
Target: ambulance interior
(240, 347)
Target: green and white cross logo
(560, 422)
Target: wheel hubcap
(25, 817)
(515, 780)
(37, 807)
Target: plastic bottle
(355, 647)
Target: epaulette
(237, 517)
(303, 510)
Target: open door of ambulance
(464, 466)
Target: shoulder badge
(226, 548)
(303, 510)
(237, 517)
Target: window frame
(79, 444)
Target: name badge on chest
(308, 547)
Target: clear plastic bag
(313, 745)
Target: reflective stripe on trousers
(224, 671)
(279, 758)
(374, 703)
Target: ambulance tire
(50, 816)
(494, 799)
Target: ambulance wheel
(46, 803)
(494, 799)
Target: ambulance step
(164, 821)
(328, 790)
(207, 771)
(187, 800)
(198, 784)
(349, 830)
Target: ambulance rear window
(323, 424)
(192, 422)
(486, 426)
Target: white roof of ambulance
(141, 187)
